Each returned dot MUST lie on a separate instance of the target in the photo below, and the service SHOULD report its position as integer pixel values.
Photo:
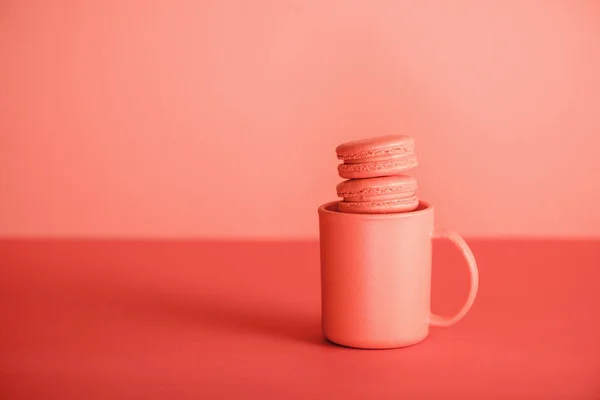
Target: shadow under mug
(376, 277)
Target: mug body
(375, 276)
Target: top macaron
(378, 156)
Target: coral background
(220, 118)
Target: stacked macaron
(373, 169)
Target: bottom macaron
(390, 194)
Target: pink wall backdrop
(220, 118)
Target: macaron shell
(376, 148)
(375, 169)
(379, 206)
(380, 188)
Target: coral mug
(376, 277)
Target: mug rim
(422, 208)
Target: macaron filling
(404, 162)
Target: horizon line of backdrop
(220, 118)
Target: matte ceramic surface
(376, 277)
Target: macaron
(378, 156)
(381, 195)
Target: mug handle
(438, 320)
